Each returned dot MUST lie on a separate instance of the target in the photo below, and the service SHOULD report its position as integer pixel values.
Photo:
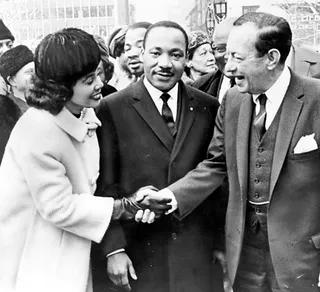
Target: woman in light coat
(48, 214)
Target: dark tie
(259, 121)
(167, 113)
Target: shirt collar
(278, 90)
(156, 93)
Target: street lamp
(216, 11)
(210, 20)
(220, 9)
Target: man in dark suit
(153, 133)
(217, 83)
(266, 138)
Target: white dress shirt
(275, 95)
(156, 93)
(225, 85)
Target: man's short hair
(273, 33)
(167, 24)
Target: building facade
(30, 20)
(303, 16)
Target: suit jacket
(209, 83)
(137, 149)
(293, 214)
(48, 214)
(305, 62)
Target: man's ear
(11, 80)
(273, 58)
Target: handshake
(144, 205)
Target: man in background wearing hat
(17, 68)
(121, 76)
(6, 43)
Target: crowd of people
(162, 161)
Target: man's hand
(119, 266)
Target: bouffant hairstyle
(61, 59)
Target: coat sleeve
(107, 185)
(191, 190)
(45, 174)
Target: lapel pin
(191, 108)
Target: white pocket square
(306, 144)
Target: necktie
(166, 112)
(260, 119)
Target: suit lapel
(289, 115)
(146, 108)
(186, 117)
(242, 144)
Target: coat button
(258, 210)
(260, 149)
(256, 180)
(258, 165)
(256, 195)
(174, 236)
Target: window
(76, 12)
(102, 11)
(109, 10)
(53, 13)
(85, 11)
(61, 14)
(252, 8)
(45, 13)
(93, 11)
(69, 12)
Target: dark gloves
(144, 198)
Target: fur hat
(196, 39)
(5, 33)
(13, 60)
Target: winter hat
(5, 33)
(196, 39)
(13, 60)
(116, 41)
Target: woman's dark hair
(108, 66)
(61, 59)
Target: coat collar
(147, 110)
(80, 128)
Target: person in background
(17, 69)
(122, 76)
(201, 58)
(154, 132)
(105, 68)
(217, 83)
(133, 47)
(9, 115)
(48, 214)
(6, 43)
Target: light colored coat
(48, 214)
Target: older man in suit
(153, 133)
(266, 138)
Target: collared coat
(137, 149)
(293, 214)
(48, 214)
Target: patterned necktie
(259, 121)
(167, 113)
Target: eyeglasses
(219, 48)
